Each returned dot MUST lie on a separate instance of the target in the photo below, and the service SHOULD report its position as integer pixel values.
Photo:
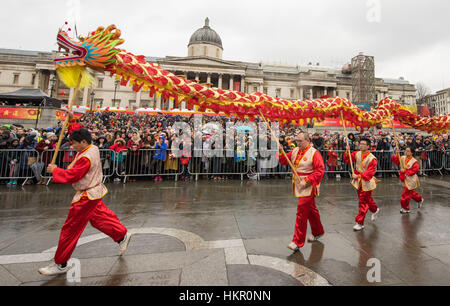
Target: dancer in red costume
(364, 181)
(85, 175)
(308, 163)
(408, 175)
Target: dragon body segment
(99, 52)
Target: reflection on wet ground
(230, 233)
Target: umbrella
(244, 128)
(209, 127)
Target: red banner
(336, 122)
(61, 115)
(18, 113)
(237, 86)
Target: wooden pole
(396, 144)
(66, 122)
(282, 150)
(346, 138)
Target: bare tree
(422, 92)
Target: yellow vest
(91, 183)
(305, 167)
(411, 182)
(361, 167)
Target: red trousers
(365, 203)
(407, 195)
(80, 213)
(307, 211)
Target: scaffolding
(363, 80)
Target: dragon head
(95, 51)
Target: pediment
(201, 61)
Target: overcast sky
(409, 38)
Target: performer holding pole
(280, 146)
(346, 140)
(85, 175)
(308, 173)
(364, 181)
(66, 121)
(408, 175)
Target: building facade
(439, 103)
(204, 63)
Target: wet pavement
(230, 233)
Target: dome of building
(206, 35)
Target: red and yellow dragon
(98, 51)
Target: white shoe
(315, 238)
(293, 247)
(54, 269)
(404, 211)
(375, 215)
(419, 205)
(124, 244)
(358, 227)
(117, 179)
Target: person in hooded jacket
(160, 156)
(13, 158)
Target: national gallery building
(204, 63)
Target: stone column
(231, 82)
(138, 99)
(310, 93)
(85, 96)
(220, 80)
(301, 93)
(242, 84)
(158, 102)
(197, 76)
(37, 82)
(71, 93)
(261, 87)
(325, 91)
(208, 78)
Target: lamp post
(42, 104)
(92, 100)
(52, 83)
(116, 83)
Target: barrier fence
(25, 165)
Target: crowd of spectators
(145, 142)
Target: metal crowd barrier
(231, 163)
(432, 160)
(17, 164)
(335, 164)
(447, 160)
(142, 162)
(28, 164)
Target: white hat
(50, 135)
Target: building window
(100, 83)
(148, 103)
(278, 92)
(132, 104)
(255, 89)
(292, 93)
(16, 79)
(115, 103)
(99, 103)
(33, 78)
(265, 90)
